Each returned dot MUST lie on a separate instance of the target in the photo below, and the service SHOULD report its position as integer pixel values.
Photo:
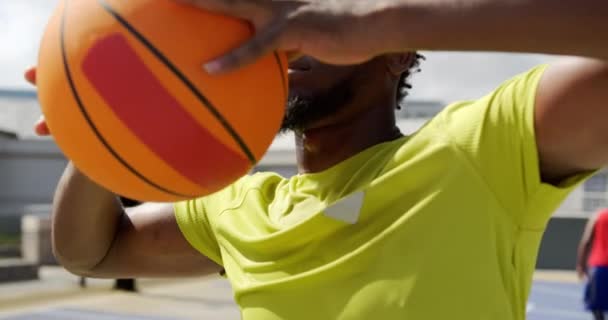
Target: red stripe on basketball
(152, 114)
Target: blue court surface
(552, 300)
(549, 300)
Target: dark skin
(94, 236)
(584, 247)
(365, 119)
(145, 241)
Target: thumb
(41, 128)
(30, 75)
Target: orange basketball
(125, 96)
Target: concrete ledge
(556, 275)
(39, 148)
(36, 244)
(10, 251)
(12, 270)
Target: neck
(326, 147)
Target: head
(324, 95)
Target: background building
(29, 167)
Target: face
(318, 92)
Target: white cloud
(22, 23)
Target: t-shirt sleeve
(194, 224)
(497, 135)
(196, 219)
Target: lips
(299, 65)
(294, 70)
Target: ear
(398, 63)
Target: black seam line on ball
(237, 138)
(87, 117)
(280, 65)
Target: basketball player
(441, 224)
(592, 264)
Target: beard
(302, 110)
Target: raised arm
(351, 31)
(570, 117)
(94, 236)
(565, 27)
(571, 107)
(584, 247)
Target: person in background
(592, 264)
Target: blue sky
(446, 76)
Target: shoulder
(255, 180)
(602, 214)
(263, 183)
(510, 97)
(259, 179)
(234, 194)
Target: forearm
(84, 221)
(582, 254)
(568, 27)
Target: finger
(212, 5)
(234, 8)
(261, 44)
(41, 128)
(293, 55)
(30, 75)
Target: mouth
(300, 65)
(291, 70)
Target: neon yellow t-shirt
(443, 224)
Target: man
(593, 254)
(442, 224)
